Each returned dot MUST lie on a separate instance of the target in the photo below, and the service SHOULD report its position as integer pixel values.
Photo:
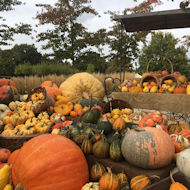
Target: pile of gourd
(165, 84)
(105, 179)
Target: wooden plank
(178, 18)
(176, 103)
(129, 169)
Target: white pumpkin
(3, 111)
(91, 186)
(183, 162)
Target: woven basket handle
(159, 56)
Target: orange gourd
(109, 181)
(176, 185)
(50, 162)
(73, 114)
(119, 124)
(77, 107)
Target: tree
(124, 47)
(7, 64)
(164, 44)
(7, 32)
(69, 39)
(91, 58)
(25, 53)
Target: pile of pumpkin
(159, 82)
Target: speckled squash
(97, 170)
(145, 148)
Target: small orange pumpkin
(119, 124)
(77, 107)
(109, 181)
(73, 114)
(176, 185)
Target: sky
(26, 13)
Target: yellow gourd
(188, 89)
(8, 187)
(4, 176)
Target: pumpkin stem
(171, 177)
(109, 170)
(139, 129)
(19, 187)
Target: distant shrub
(42, 69)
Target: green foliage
(26, 53)
(7, 65)
(163, 44)
(69, 38)
(90, 68)
(7, 32)
(91, 58)
(42, 69)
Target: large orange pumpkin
(12, 157)
(51, 88)
(50, 162)
(148, 148)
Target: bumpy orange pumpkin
(50, 162)
(51, 88)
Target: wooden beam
(179, 18)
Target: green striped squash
(86, 146)
(123, 180)
(97, 171)
(115, 150)
(101, 148)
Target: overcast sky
(27, 12)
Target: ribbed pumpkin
(97, 171)
(51, 88)
(106, 126)
(148, 148)
(140, 182)
(177, 126)
(109, 181)
(123, 180)
(86, 146)
(13, 156)
(115, 150)
(82, 85)
(47, 162)
(8, 82)
(101, 148)
(119, 124)
(180, 90)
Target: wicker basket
(15, 142)
(156, 77)
(167, 77)
(48, 101)
(115, 103)
(150, 78)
